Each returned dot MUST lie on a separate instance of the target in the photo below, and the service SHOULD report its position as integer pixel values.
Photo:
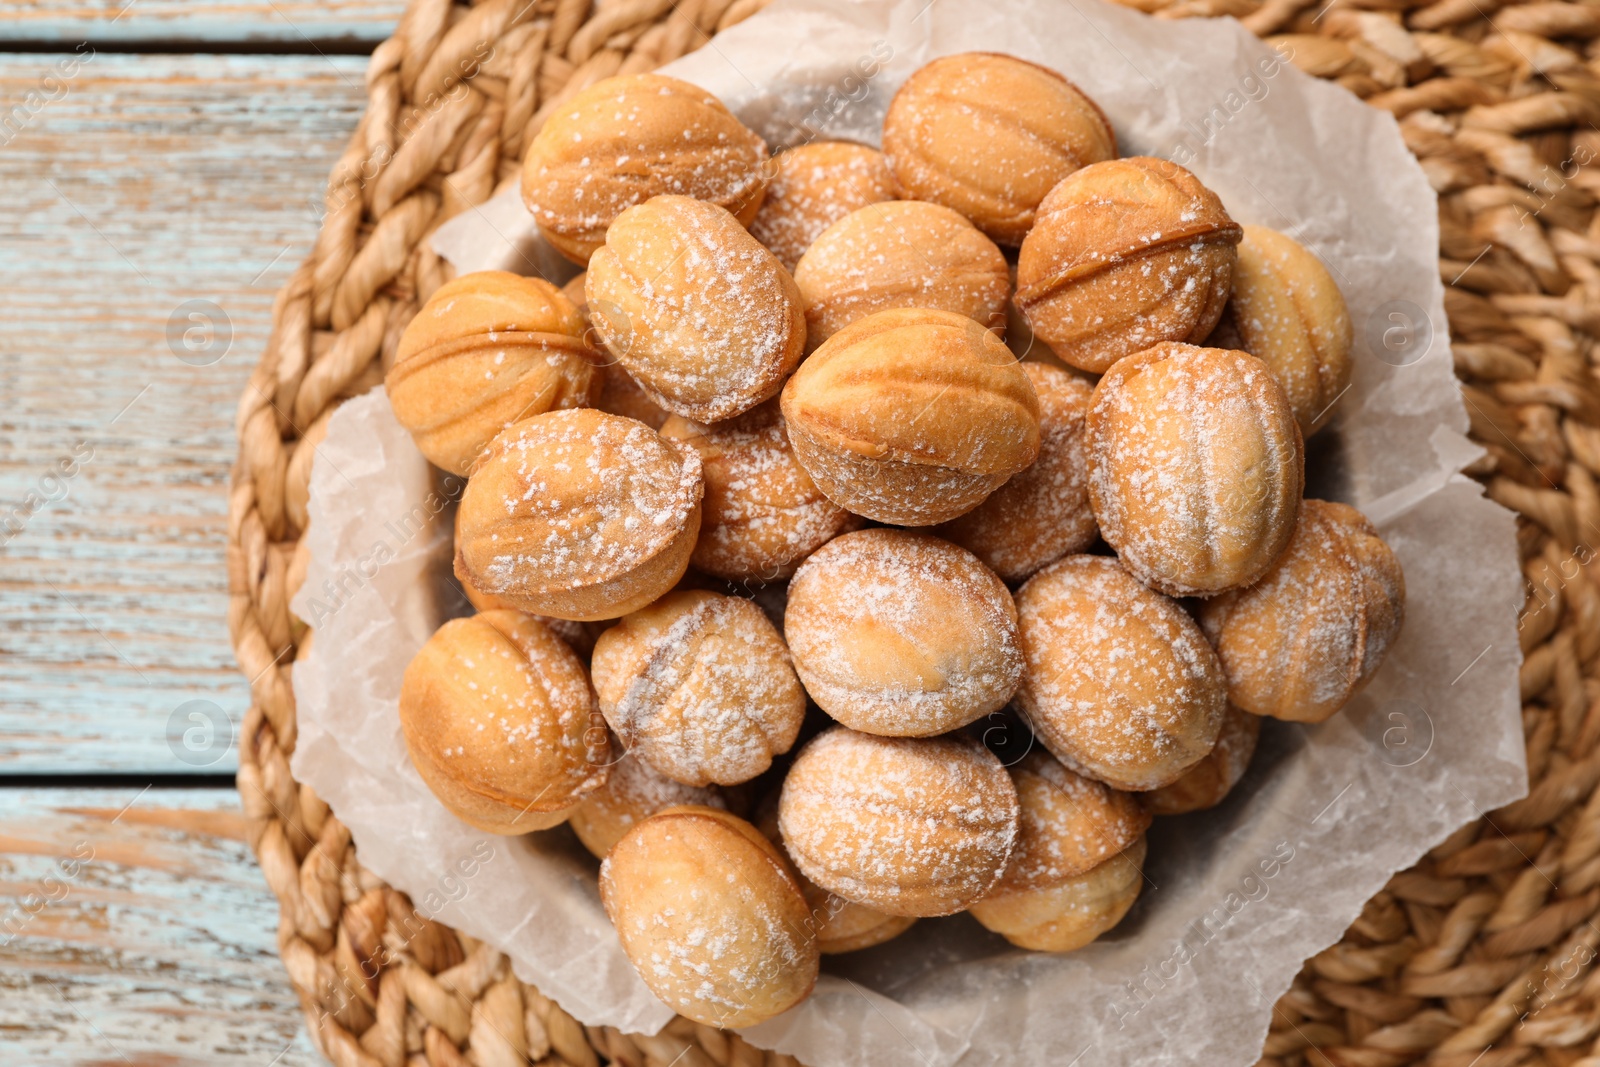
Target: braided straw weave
(1481, 955)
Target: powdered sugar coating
(908, 826)
(704, 319)
(579, 635)
(1070, 824)
(813, 186)
(1290, 314)
(632, 792)
(1206, 783)
(1125, 254)
(762, 513)
(911, 416)
(1041, 513)
(487, 349)
(843, 926)
(902, 634)
(1196, 467)
(626, 139)
(905, 493)
(700, 687)
(989, 135)
(904, 253)
(1118, 683)
(499, 720)
(839, 925)
(1303, 640)
(574, 513)
(1068, 914)
(709, 914)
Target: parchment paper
(1237, 897)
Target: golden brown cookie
(486, 350)
(632, 793)
(1196, 467)
(989, 135)
(902, 634)
(1124, 255)
(625, 139)
(573, 291)
(906, 826)
(1041, 513)
(1070, 826)
(618, 393)
(700, 687)
(501, 724)
(711, 917)
(1208, 782)
(580, 515)
(813, 186)
(1072, 912)
(762, 513)
(1303, 640)
(1290, 314)
(839, 925)
(705, 320)
(911, 416)
(904, 253)
(1118, 681)
(621, 395)
(580, 635)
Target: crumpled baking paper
(1235, 898)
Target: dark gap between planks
(334, 46)
(116, 780)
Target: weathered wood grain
(262, 22)
(145, 182)
(135, 929)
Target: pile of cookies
(771, 471)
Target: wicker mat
(1481, 955)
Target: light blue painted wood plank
(150, 181)
(291, 22)
(136, 928)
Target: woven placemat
(1480, 956)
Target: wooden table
(163, 162)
